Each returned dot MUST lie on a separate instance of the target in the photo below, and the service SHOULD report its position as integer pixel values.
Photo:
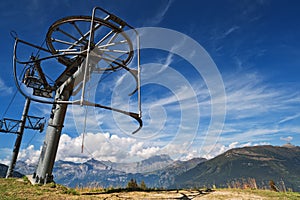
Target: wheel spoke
(112, 38)
(105, 37)
(85, 36)
(115, 51)
(112, 44)
(77, 28)
(70, 36)
(112, 57)
(65, 42)
(109, 61)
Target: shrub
(132, 185)
(143, 186)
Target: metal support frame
(44, 169)
(17, 127)
(18, 139)
(8, 125)
(76, 74)
(43, 172)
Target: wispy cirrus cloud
(5, 89)
(159, 16)
(252, 108)
(289, 118)
(252, 105)
(230, 30)
(249, 96)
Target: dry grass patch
(15, 189)
(239, 194)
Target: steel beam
(43, 172)
(44, 169)
(18, 139)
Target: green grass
(22, 189)
(267, 193)
(272, 194)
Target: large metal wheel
(101, 42)
(109, 44)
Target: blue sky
(254, 45)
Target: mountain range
(262, 163)
(157, 171)
(3, 170)
(259, 163)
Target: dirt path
(181, 194)
(230, 195)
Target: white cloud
(148, 152)
(189, 155)
(250, 102)
(5, 155)
(219, 148)
(251, 134)
(210, 152)
(289, 118)
(248, 96)
(29, 155)
(167, 62)
(82, 119)
(98, 146)
(230, 30)
(233, 145)
(287, 139)
(160, 14)
(103, 146)
(295, 129)
(4, 89)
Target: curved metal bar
(122, 24)
(15, 59)
(17, 82)
(136, 75)
(131, 114)
(17, 40)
